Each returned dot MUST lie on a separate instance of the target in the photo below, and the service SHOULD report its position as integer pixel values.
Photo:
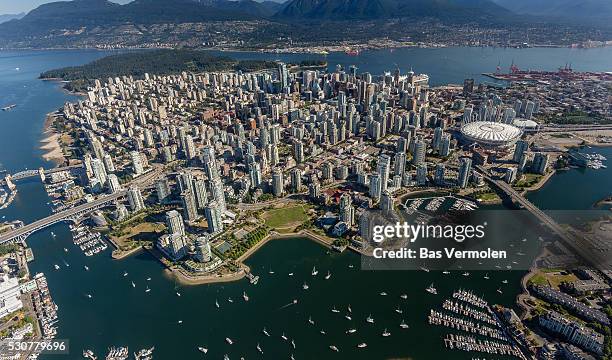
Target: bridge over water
(581, 246)
(72, 214)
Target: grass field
(285, 217)
(552, 278)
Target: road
(141, 181)
(579, 245)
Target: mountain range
(63, 22)
(378, 9)
(7, 17)
(573, 10)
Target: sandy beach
(50, 144)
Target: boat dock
(469, 343)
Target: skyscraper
(174, 222)
(277, 183)
(383, 166)
(213, 217)
(465, 170)
(375, 186)
(347, 211)
(135, 198)
(162, 188)
(137, 165)
(189, 206)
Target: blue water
(121, 315)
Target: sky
(18, 6)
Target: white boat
(351, 331)
(86, 268)
(424, 269)
(334, 348)
(348, 308)
(293, 344)
(403, 325)
(351, 266)
(284, 337)
(404, 296)
(486, 276)
(125, 274)
(499, 291)
(89, 296)
(270, 272)
(505, 282)
(291, 357)
(362, 345)
(265, 332)
(178, 294)
(65, 250)
(386, 333)
(431, 289)
(245, 296)
(203, 350)
(322, 332)
(305, 286)
(229, 341)
(148, 279)
(328, 276)
(314, 271)
(310, 321)
(290, 274)
(466, 274)
(180, 321)
(147, 290)
(370, 319)
(348, 317)
(398, 310)
(445, 272)
(88, 354)
(133, 285)
(216, 304)
(56, 267)
(334, 310)
(383, 294)
(259, 349)
(225, 357)
(229, 299)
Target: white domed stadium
(491, 134)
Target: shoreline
(50, 143)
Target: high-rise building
(203, 252)
(540, 163)
(213, 217)
(108, 163)
(296, 180)
(190, 149)
(375, 186)
(113, 183)
(520, 148)
(439, 175)
(421, 174)
(277, 183)
(137, 165)
(347, 211)
(420, 149)
(162, 188)
(445, 145)
(99, 171)
(298, 151)
(386, 201)
(400, 163)
(382, 168)
(465, 170)
(190, 208)
(199, 189)
(174, 222)
(135, 198)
